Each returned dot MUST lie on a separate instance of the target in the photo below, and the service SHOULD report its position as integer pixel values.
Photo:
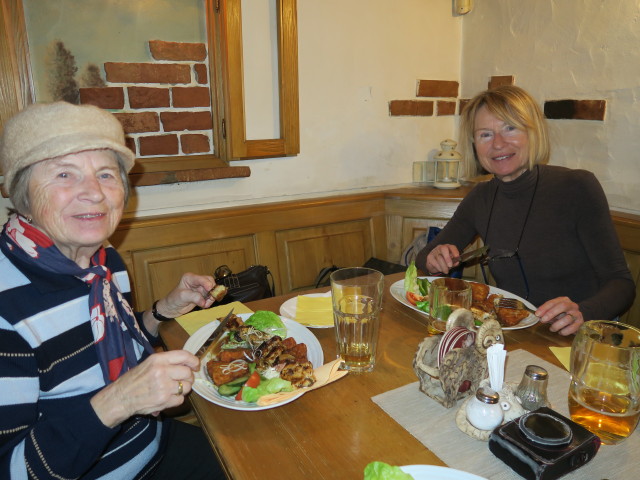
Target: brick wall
(164, 105)
(444, 100)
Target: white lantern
(447, 165)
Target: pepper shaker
(532, 390)
(484, 411)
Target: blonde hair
(514, 106)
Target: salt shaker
(532, 390)
(484, 411)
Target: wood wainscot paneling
(294, 239)
(157, 269)
(303, 252)
(628, 228)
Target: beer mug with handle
(604, 394)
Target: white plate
(397, 292)
(288, 308)
(434, 472)
(205, 388)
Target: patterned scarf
(115, 330)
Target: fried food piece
(269, 353)
(218, 292)
(481, 315)
(223, 372)
(479, 292)
(299, 374)
(235, 354)
(509, 317)
(299, 352)
(289, 343)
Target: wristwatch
(158, 316)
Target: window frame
(224, 38)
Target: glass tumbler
(604, 394)
(445, 296)
(356, 295)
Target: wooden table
(334, 432)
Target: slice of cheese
(314, 311)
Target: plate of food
(233, 374)
(434, 472)
(289, 308)
(384, 471)
(483, 306)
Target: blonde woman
(549, 227)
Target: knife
(478, 252)
(217, 333)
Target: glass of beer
(445, 296)
(604, 394)
(357, 299)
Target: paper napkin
(316, 311)
(193, 321)
(327, 373)
(563, 354)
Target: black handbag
(254, 283)
(386, 268)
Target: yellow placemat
(193, 321)
(563, 354)
(317, 311)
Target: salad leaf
(268, 322)
(272, 385)
(384, 471)
(413, 284)
(424, 306)
(423, 285)
(411, 279)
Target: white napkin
(496, 358)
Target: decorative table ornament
(455, 372)
(447, 165)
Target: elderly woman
(549, 228)
(80, 385)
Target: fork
(515, 304)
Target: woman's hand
(563, 315)
(440, 259)
(192, 290)
(159, 382)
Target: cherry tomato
(254, 380)
(414, 298)
(239, 395)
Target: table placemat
(193, 321)
(434, 426)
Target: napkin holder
(460, 370)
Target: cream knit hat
(48, 130)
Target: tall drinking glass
(445, 296)
(604, 394)
(357, 299)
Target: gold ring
(180, 388)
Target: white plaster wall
(354, 57)
(559, 49)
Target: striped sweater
(49, 371)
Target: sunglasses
(507, 255)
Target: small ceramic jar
(484, 411)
